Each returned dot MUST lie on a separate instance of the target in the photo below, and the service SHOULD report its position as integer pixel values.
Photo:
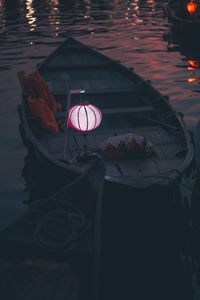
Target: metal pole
(66, 136)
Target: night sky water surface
(135, 32)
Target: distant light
(193, 63)
(191, 7)
(192, 79)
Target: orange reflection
(54, 17)
(54, 4)
(30, 14)
(192, 79)
(193, 63)
(133, 12)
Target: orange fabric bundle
(35, 86)
(48, 120)
(44, 90)
(41, 110)
(38, 87)
(126, 146)
(36, 106)
(29, 87)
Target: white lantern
(84, 117)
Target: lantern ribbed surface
(84, 117)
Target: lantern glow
(84, 117)
(191, 7)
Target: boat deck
(167, 149)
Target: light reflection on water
(134, 32)
(30, 15)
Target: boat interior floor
(167, 148)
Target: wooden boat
(182, 18)
(129, 104)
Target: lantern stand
(83, 117)
(86, 154)
(66, 135)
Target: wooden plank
(112, 171)
(168, 164)
(76, 59)
(102, 84)
(130, 168)
(156, 134)
(171, 150)
(51, 77)
(59, 64)
(165, 145)
(101, 137)
(115, 111)
(158, 152)
(128, 110)
(72, 47)
(55, 62)
(89, 59)
(97, 74)
(62, 87)
(62, 92)
(148, 167)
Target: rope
(58, 225)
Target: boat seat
(62, 85)
(116, 111)
(128, 110)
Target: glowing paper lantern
(191, 7)
(84, 117)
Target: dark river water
(135, 32)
